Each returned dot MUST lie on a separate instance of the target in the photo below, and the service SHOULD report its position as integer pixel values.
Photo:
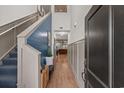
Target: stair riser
(10, 84)
(7, 86)
(10, 62)
(13, 55)
(7, 62)
(5, 71)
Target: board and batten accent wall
(76, 42)
(14, 20)
(76, 60)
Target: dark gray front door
(98, 65)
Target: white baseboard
(20, 85)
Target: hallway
(62, 46)
(62, 77)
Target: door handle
(83, 76)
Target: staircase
(8, 70)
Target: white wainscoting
(76, 57)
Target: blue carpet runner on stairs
(8, 70)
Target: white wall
(78, 17)
(61, 19)
(9, 13)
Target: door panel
(93, 82)
(98, 45)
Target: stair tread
(8, 66)
(10, 59)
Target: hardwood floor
(62, 77)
